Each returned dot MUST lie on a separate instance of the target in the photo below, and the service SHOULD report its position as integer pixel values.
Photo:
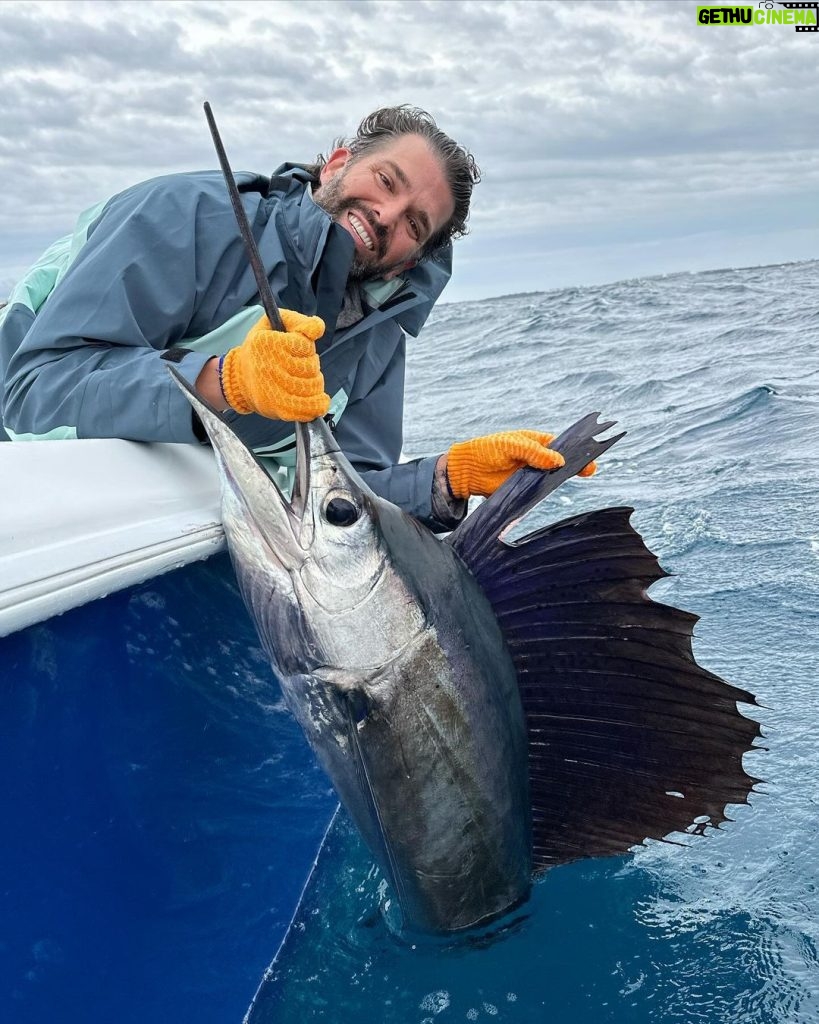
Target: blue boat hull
(161, 808)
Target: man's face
(391, 200)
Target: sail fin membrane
(629, 738)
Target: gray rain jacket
(161, 267)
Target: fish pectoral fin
(341, 678)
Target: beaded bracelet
(449, 486)
(221, 382)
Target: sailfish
(486, 707)
(490, 705)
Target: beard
(332, 198)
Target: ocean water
(163, 813)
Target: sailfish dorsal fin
(629, 738)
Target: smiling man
(391, 213)
(359, 243)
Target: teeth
(361, 231)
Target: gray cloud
(610, 134)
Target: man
(359, 244)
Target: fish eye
(341, 512)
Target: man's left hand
(481, 465)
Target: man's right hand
(277, 373)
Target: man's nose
(388, 212)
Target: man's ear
(336, 162)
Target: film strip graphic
(813, 5)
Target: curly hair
(461, 170)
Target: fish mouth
(286, 523)
(314, 442)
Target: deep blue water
(162, 811)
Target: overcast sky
(616, 139)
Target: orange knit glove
(481, 465)
(277, 373)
